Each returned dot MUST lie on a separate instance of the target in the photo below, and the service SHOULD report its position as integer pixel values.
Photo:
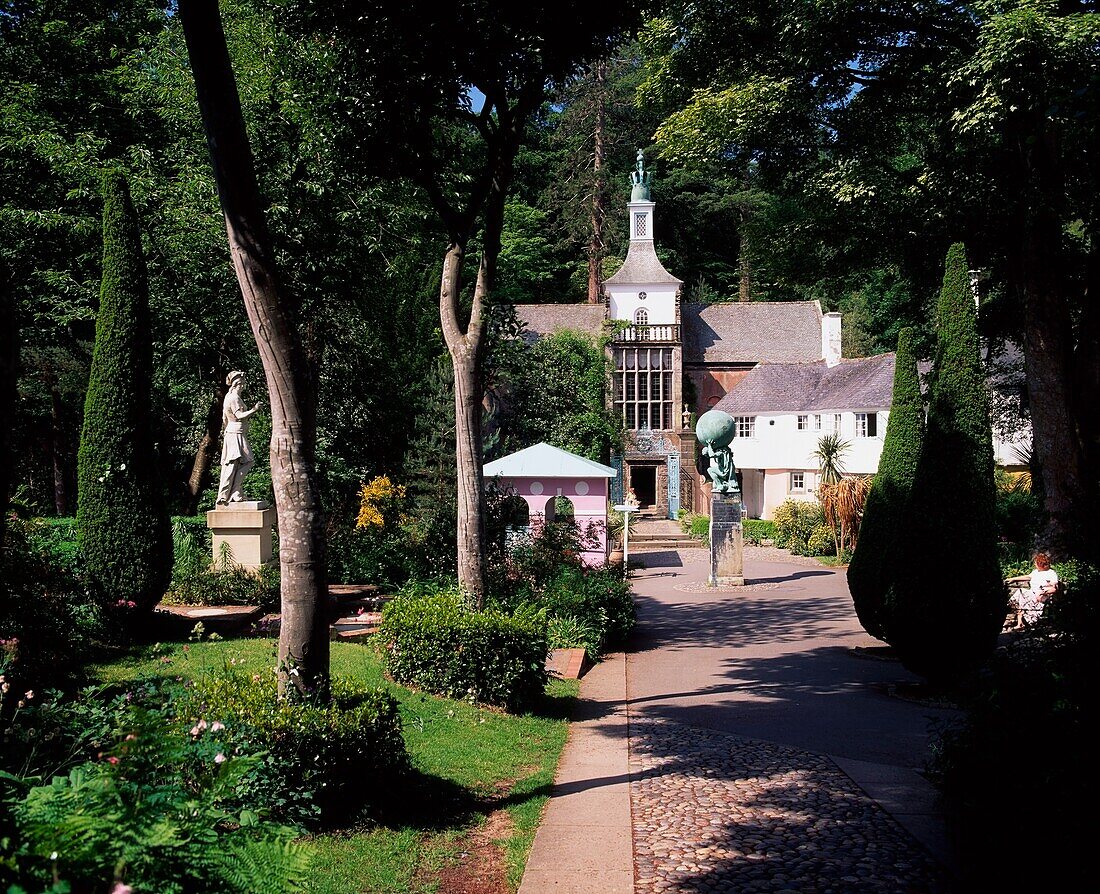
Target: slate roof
(751, 331)
(545, 319)
(858, 384)
(642, 266)
(546, 461)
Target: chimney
(830, 338)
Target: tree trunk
(744, 265)
(57, 452)
(207, 449)
(465, 349)
(303, 638)
(1048, 355)
(9, 372)
(599, 194)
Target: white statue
(237, 458)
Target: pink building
(542, 474)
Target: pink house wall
(589, 499)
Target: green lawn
(469, 760)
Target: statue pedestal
(245, 529)
(727, 553)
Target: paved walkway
(749, 741)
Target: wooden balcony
(660, 333)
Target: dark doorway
(643, 481)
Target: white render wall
(780, 445)
(660, 302)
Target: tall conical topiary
(122, 524)
(948, 603)
(887, 512)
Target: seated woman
(1044, 584)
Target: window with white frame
(798, 483)
(641, 317)
(643, 387)
(803, 423)
(817, 422)
(866, 425)
(836, 423)
(745, 426)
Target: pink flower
(120, 888)
(113, 761)
(30, 694)
(217, 726)
(219, 758)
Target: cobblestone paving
(718, 813)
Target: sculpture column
(240, 528)
(715, 430)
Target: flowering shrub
(380, 503)
(435, 642)
(315, 763)
(795, 523)
(107, 788)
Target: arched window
(641, 317)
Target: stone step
(666, 544)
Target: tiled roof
(863, 384)
(545, 319)
(751, 332)
(642, 266)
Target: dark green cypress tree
(886, 514)
(948, 603)
(122, 523)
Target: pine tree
(122, 523)
(886, 513)
(948, 603)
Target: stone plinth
(245, 528)
(727, 550)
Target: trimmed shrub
(942, 630)
(886, 512)
(122, 522)
(756, 530)
(316, 764)
(438, 644)
(47, 622)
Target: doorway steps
(660, 533)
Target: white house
(783, 409)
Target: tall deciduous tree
(303, 637)
(122, 522)
(970, 118)
(948, 601)
(420, 72)
(887, 510)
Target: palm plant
(829, 454)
